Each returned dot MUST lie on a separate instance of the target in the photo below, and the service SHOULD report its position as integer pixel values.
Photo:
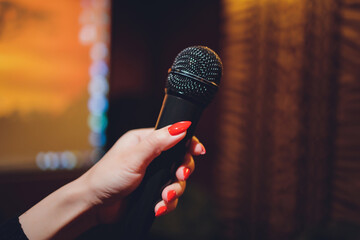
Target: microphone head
(195, 74)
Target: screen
(53, 83)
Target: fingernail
(186, 173)
(203, 150)
(179, 127)
(171, 195)
(161, 211)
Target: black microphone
(191, 85)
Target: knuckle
(152, 143)
(130, 132)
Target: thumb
(160, 140)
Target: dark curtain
(289, 129)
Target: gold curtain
(289, 133)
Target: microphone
(192, 82)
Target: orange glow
(43, 66)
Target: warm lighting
(54, 80)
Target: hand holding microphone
(97, 197)
(123, 167)
(142, 163)
(191, 85)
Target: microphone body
(160, 172)
(191, 85)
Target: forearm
(64, 214)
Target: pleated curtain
(289, 138)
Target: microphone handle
(140, 211)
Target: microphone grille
(195, 74)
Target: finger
(196, 147)
(140, 133)
(188, 166)
(163, 208)
(132, 137)
(173, 191)
(160, 140)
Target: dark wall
(146, 37)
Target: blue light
(98, 104)
(47, 161)
(97, 139)
(98, 85)
(54, 160)
(97, 124)
(68, 160)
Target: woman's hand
(121, 170)
(97, 196)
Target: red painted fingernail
(161, 211)
(171, 195)
(203, 150)
(186, 173)
(179, 127)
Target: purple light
(99, 68)
(98, 104)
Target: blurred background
(282, 135)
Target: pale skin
(98, 195)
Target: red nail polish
(161, 211)
(203, 150)
(186, 173)
(179, 127)
(171, 195)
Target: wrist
(64, 214)
(104, 206)
(83, 196)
